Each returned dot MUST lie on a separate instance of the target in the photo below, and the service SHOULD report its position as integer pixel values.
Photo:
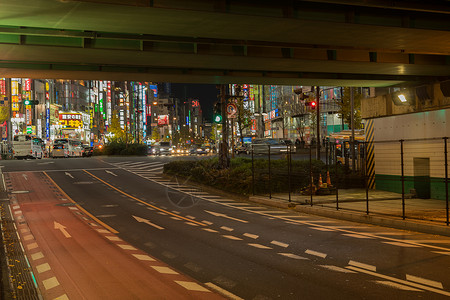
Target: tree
(345, 107)
(115, 129)
(215, 132)
(243, 116)
(155, 134)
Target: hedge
(238, 178)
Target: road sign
(231, 110)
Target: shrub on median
(121, 148)
(239, 178)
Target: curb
(392, 222)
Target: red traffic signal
(311, 104)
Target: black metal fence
(405, 178)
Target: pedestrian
(297, 145)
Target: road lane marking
(223, 292)
(142, 220)
(216, 214)
(144, 257)
(232, 237)
(209, 230)
(284, 245)
(37, 255)
(208, 222)
(79, 207)
(226, 228)
(192, 286)
(61, 228)
(421, 280)
(43, 268)
(358, 236)
(126, 247)
(397, 286)
(32, 246)
(105, 216)
(362, 265)
(113, 238)
(336, 268)
(315, 253)
(50, 283)
(63, 297)
(401, 244)
(416, 285)
(321, 229)
(441, 252)
(139, 200)
(165, 270)
(259, 246)
(293, 256)
(252, 236)
(428, 241)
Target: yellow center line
(145, 203)
(81, 208)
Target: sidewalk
(385, 208)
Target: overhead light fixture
(402, 98)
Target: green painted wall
(392, 183)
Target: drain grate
(22, 284)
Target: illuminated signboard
(70, 120)
(195, 103)
(26, 84)
(163, 120)
(154, 88)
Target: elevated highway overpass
(324, 42)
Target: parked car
(261, 146)
(87, 151)
(243, 149)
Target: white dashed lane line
(259, 246)
(284, 245)
(293, 256)
(315, 253)
(432, 283)
(362, 265)
(252, 236)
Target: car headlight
(199, 150)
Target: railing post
(310, 174)
(288, 149)
(366, 177)
(336, 179)
(253, 173)
(446, 180)
(403, 180)
(270, 178)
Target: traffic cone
(328, 178)
(320, 180)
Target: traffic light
(311, 104)
(30, 102)
(217, 116)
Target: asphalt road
(243, 249)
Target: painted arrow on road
(62, 228)
(216, 214)
(68, 174)
(25, 176)
(142, 220)
(110, 172)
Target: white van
(27, 146)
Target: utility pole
(318, 120)
(224, 160)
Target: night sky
(205, 93)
